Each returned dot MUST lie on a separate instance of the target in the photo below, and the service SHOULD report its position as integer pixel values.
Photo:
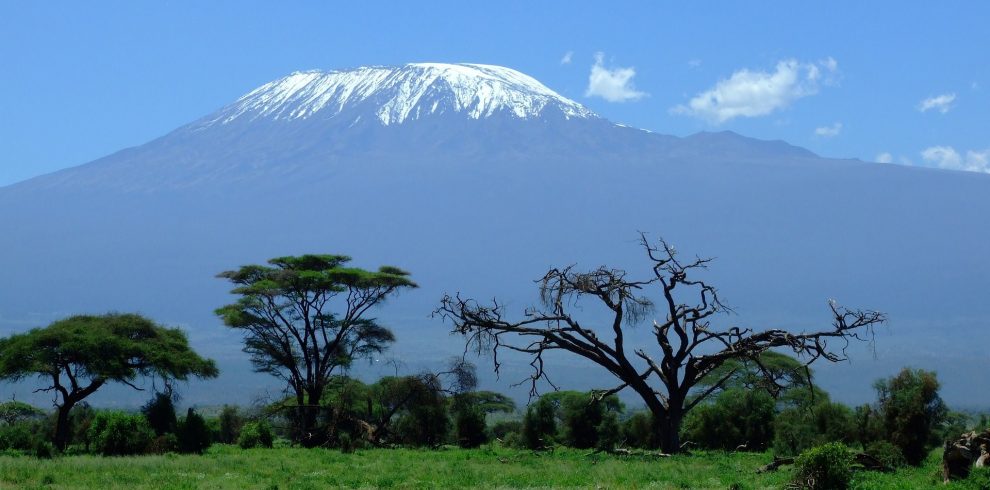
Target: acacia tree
(291, 331)
(687, 346)
(78, 355)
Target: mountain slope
(484, 201)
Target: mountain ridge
(484, 206)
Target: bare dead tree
(687, 346)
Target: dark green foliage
(165, 443)
(580, 414)
(952, 425)
(80, 419)
(869, 424)
(826, 467)
(115, 433)
(797, 429)
(912, 410)
(230, 423)
(192, 433)
(736, 418)
(609, 432)
(887, 453)
(20, 436)
(637, 430)
(256, 434)
(502, 428)
(160, 412)
(425, 421)
(539, 424)
(469, 423)
(290, 331)
(76, 356)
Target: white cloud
(695, 63)
(941, 103)
(829, 131)
(613, 85)
(566, 59)
(885, 158)
(758, 93)
(947, 157)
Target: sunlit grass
(489, 467)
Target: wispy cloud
(941, 103)
(566, 59)
(884, 158)
(695, 63)
(613, 85)
(947, 157)
(750, 93)
(829, 131)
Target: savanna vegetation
(714, 407)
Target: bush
(470, 425)
(114, 433)
(609, 433)
(193, 434)
(256, 434)
(637, 430)
(19, 436)
(502, 429)
(231, 422)
(798, 429)
(44, 450)
(826, 467)
(160, 412)
(165, 443)
(886, 453)
(736, 418)
(911, 410)
(539, 424)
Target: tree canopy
(78, 355)
(303, 318)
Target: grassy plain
(227, 467)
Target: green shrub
(911, 409)
(539, 424)
(256, 434)
(160, 412)
(44, 450)
(826, 467)
(469, 422)
(165, 443)
(609, 432)
(193, 434)
(797, 429)
(500, 430)
(886, 453)
(231, 422)
(19, 436)
(114, 433)
(637, 430)
(736, 418)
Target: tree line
(305, 320)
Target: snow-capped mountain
(393, 95)
(477, 179)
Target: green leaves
(115, 347)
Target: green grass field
(290, 468)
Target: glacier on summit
(399, 94)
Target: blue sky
(898, 81)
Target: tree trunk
(667, 429)
(62, 427)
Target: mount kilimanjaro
(478, 178)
